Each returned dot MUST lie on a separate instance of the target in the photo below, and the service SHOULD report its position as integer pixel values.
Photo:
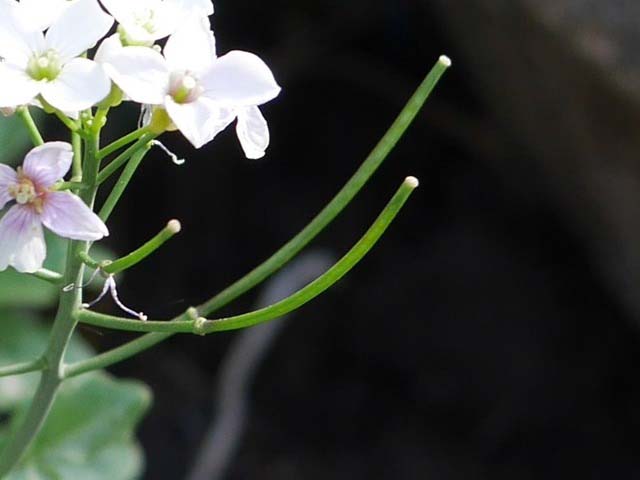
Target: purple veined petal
(8, 177)
(66, 215)
(18, 42)
(16, 87)
(253, 132)
(81, 84)
(48, 163)
(192, 47)
(141, 73)
(240, 79)
(199, 121)
(22, 244)
(78, 29)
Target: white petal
(122, 10)
(16, 87)
(38, 104)
(199, 121)
(48, 163)
(78, 29)
(81, 84)
(22, 243)
(42, 13)
(192, 47)
(167, 17)
(253, 132)
(240, 79)
(8, 177)
(109, 47)
(18, 42)
(201, 8)
(66, 215)
(141, 73)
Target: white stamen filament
(110, 286)
(174, 158)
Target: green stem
(20, 368)
(100, 120)
(88, 261)
(63, 326)
(32, 128)
(201, 326)
(121, 159)
(76, 171)
(48, 276)
(21, 439)
(122, 142)
(52, 375)
(122, 183)
(116, 355)
(135, 257)
(72, 125)
(339, 202)
(59, 187)
(288, 251)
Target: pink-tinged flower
(22, 244)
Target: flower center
(25, 193)
(46, 66)
(184, 87)
(145, 19)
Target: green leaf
(23, 338)
(89, 434)
(14, 140)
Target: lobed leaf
(89, 434)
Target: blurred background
(494, 332)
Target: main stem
(63, 327)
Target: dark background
(493, 332)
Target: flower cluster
(161, 54)
(43, 44)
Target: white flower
(48, 64)
(145, 21)
(201, 93)
(22, 244)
